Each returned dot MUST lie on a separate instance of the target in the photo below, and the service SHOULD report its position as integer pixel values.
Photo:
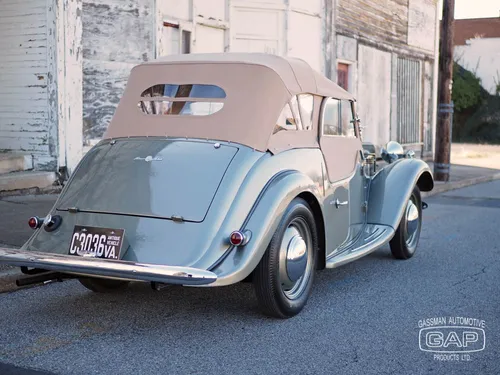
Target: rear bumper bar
(107, 268)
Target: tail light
(50, 223)
(238, 238)
(35, 222)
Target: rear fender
(262, 222)
(391, 188)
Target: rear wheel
(284, 277)
(103, 285)
(405, 241)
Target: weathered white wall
(374, 94)
(280, 27)
(481, 56)
(305, 35)
(284, 27)
(258, 27)
(116, 36)
(210, 8)
(24, 80)
(422, 24)
(65, 77)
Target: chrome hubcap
(412, 224)
(295, 258)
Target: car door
(345, 188)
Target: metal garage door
(409, 101)
(23, 76)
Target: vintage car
(221, 168)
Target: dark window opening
(343, 76)
(186, 42)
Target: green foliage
(466, 88)
(484, 125)
(477, 113)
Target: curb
(443, 188)
(30, 191)
(8, 280)
(9, 275)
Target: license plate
(96, 242)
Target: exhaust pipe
(41, 278)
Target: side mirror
(392, 152)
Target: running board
(373, 237)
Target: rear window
(182, 100)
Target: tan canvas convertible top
(257, 87)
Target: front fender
(262, 222)
(391, 188)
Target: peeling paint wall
(66, 83)
(117, 35)
(421, 24)
(24, 79)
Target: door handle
(338, 203)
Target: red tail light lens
(237, 238)
(34, 222)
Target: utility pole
(445, 106)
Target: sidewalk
(471, 164)
(462, 176)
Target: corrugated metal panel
(23, 76)
(408, 91)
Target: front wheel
(405, 241)
(284, 277)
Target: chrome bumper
(107, 268)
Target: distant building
(477, 48)
(65, 63)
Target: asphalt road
(362, 318)
(15, 212)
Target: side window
(294, 105)
(337, 118)
(297, 114)
(331, 124)
(306, 107)
(286, 121)
(346, 118)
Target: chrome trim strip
(118, 269)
